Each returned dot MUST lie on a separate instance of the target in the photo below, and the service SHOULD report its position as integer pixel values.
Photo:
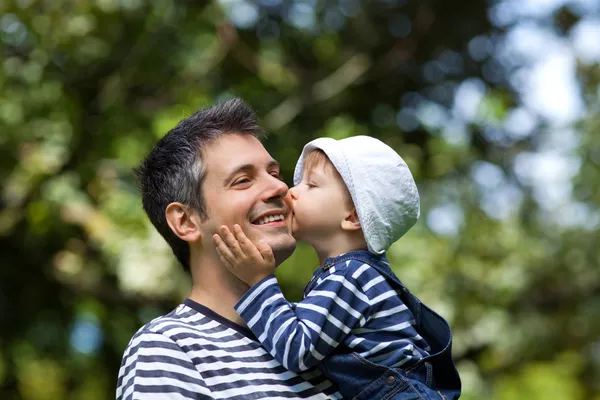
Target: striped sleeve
(301, 336)
(154, 367)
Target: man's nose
(276, 189)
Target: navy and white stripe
(194, 353)
(351, 307)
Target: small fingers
(223, 251)
(246, 244)
(231, 241)
(266, 252)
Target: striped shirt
(194, 353)
(350, 307)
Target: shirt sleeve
(301, 336)
(155, 367)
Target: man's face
(242, 186)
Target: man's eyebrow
(241, 168)
(273, 163)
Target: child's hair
(317, 157)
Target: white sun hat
(381, 185)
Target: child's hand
(248, 262)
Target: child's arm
(301, 336)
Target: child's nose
(293, 194)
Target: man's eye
(241, 181)
(277, 175)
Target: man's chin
(283, 254)
(279, 238)
(283, 248)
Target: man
(211, 170)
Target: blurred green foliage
(507, 246)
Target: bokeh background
(493, 104)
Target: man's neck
(216, 288)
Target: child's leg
(418, 384)
(411, 389)
(402, 385)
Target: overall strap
(430, 325)
(433, 328)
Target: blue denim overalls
(433, 377)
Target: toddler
(352, 199)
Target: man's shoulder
(154, 362)
(183, 337)
(192, 331)
(183, 320)
(178, 316)
(157, 330)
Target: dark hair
(174, 169)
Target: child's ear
(351, 222)
(183, 222)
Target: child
(357, 322)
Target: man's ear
(351, 222)
(183, 221)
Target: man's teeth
(270, 218)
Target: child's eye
(311, 185)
